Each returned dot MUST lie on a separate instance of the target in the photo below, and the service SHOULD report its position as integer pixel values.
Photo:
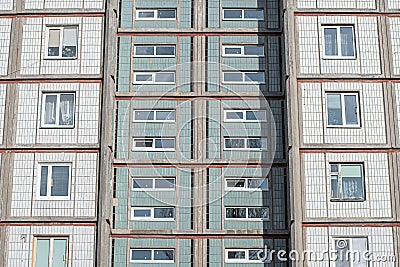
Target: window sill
(338, 58)
(55, 127)
(60, 58)
(344, 127)
(348, 200)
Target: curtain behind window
(331, 45)
(66, 109)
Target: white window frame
(155, 14)
(49, 180)
(152, 256)
(243, 77)
(247, 255)
(342, 101)
(243, 11)
(153, 78)
(155, 115)
(51, 251)
(335, 238)
(151, 218)
(43, 110)
(244, 112)
(339, 181)
(246, 187)
(154, 188)
(247, 214)
(339, 42)
(263, 140)
(61, 28)
(155, 51)
(153, 148)
(242, 50)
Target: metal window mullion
(51, 252)
(49, 179)
(61, 41)
(58, 107)
(343, 109)
(340, 193)
(339, 41)
(242, 50)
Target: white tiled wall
(394, 4)
(82, 201)
(87, 110)
(311, 51)
(361, 4)
(380, 242)
(89, 47)
(81, 244)
(62, 4)
(3, 92)
(6, 4)
(395, 42)
(373, 126)
(5, 37)
(317, 187)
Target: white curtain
(66, 110)
(50, 109)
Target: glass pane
(254, 143)
(165, 183)
(67, 107)
(342, 247)
(164, 255)
(165, 143)
(144, 50)
(352, 188)
(254, 50)
(331, 45)
(350, 102)
(347, 39)
(257, 77)
(334, 186)
(140, 255)
(261, 213)
(361, 245)
(334, 168)
(235, 213)
(143, 77)
(167, 115)
(235, 183)
(165, 51)
(143, 143)
(233, 77)
(351, 171)
(258, 183)
(142, 183)
(334, 109)
(254, 14)
(141, 213)
(146, 14)
(258, 115)
(43, 180)
(164, 213)
(42, 252)
(54, 43)
(70, 42)
(233, 51)
(232, 14)
(234, 115)
(50, 109)
(167, 14)
(59, 253)
(165, 77)
(234, 143)
(60, 176)
(255, 255)
(144, 115)
(236, 255)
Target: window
(58, 110)
(246, 184)
(252, 143)
(54, 181)
(243, 14)
(343, 109)
(62, 42)
(150, 255)
(51, 252)
(347, 181)
(244, 77)
(154, 51)
(247, 214)
(245, 115)
(239, 255)
(154, 144)
(157, 184)
(153, 214)
(155, 115)
(243, 51)
(351, 251)
(338, 42)
(154, 78)
(156, 14)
